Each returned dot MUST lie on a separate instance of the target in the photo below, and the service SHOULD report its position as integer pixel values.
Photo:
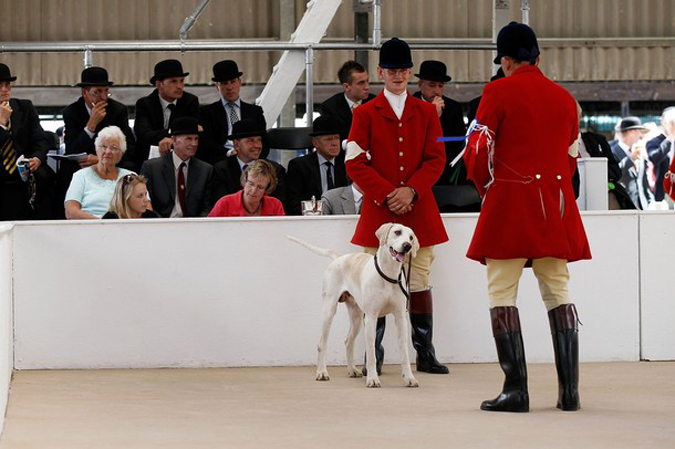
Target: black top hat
(4, 73)
(246, 128)
(395, 54)
(628, 123)
(517, 41)
(184, 125)
(324, 125)
(499, 74)
(225, 71)
(168, 68)
(94, 76)
(433, 71)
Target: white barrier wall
(235, 292)
(6, 362)
(657, 295)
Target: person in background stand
(529, 216)
(156, 112)
(394, 157)
(130, 199)
(22, 135)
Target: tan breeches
(503, 277)
(421, 267)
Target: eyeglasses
(395, 72)
(113, 148)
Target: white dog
(370, 286)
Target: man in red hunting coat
(393, 155)
(522, 157)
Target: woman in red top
(258, 180)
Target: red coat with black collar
(384, 153)
(529, 210)
(669, 181)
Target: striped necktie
(9, 154)
(234, 118)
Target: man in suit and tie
(345, 200)
(354, 80)
(178, 184)
(660, 151)
(156, 112)
(22, 135)
(85, 118)
(319, 171)
(247, 137)
(218, 118)
(432, 79)
(627, 151)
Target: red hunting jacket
(529, 210)
(669, 181)
(384, 153)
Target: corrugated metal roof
(582, 40)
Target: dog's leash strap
(391, 280)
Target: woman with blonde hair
(130, 199)
(258, 180)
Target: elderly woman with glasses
(130, 199)
(258, 180)
(91, 188)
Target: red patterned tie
(181, 189)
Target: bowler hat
(517, 41)
(246, 128)
(4, 73)
(94, 76)
(184, 125)
(395, 54)
(225, 71)
(433, 71)
(324, 125)
(169, 68)
(628, 123)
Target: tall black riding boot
(565, 332)
(509, 341)
(379, 349)
(422, 323)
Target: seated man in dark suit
(354, 80)
(219, 117)
(156, 112)
(660, 151)
(22, 135)
(432, 78)
(247, 137)
(178, 184)
(84, 118)
(319, 171)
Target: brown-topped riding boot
(511, 353)
(379, 349)
(565, 332)
(422, 323)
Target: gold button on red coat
(400, 139)
(401, 168)
(400, 153)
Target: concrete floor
(624, 405)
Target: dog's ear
(415, 246)
(383, 232)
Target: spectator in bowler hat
(156, 112)
(218, 118)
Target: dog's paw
(373, 382)
(353, 372)
(323, 375)
(410, 382)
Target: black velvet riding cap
(517, 41)
(395, 54)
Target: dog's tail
(321, 251)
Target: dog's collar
(391, 280)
